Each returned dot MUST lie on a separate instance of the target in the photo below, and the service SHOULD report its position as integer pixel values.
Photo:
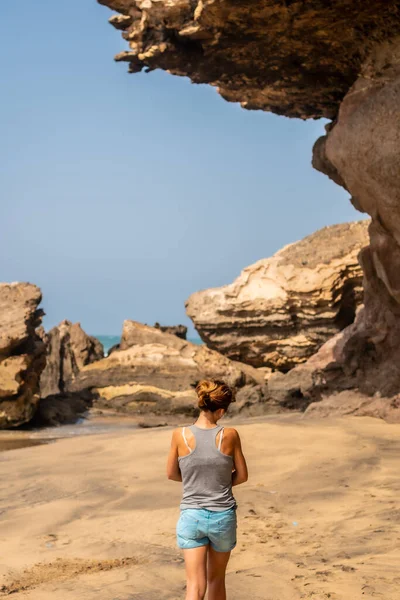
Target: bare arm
(173, 470)
(240, 474)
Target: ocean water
(110, 340)
(196, 340)
(15, 439)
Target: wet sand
(94, 517)
(25, 437)
(15, 443)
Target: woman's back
(206, 471)
(209, 461)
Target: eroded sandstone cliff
(363, 148)
(306, 59)
(22, 353)
(280, 310)
(290, 57)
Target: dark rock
(61, 409)
(69, 349)
(112, 349)
(178, 330)
(293, 58)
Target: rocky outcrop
(306, 59)
(335, 382)
(362, 147)
(69, 349)
(22, 353)
(179, 330)
(293, 58)
(62, 409)
(156, 372)
(280, 310)
(309, 382)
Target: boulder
(62, 409)
(156, 372)
(22, 352)
(69, 349)
(280, 310)
(179, 330)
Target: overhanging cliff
(339, 60)
(293, 58)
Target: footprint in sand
(346, 568)
(51, 540)
(319, 595)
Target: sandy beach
(94, 517)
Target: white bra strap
(220, 438)
(184, 437)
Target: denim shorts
(200, 526)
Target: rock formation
(309, 382)
(22, 353)
(280, 310)
(306, 59)
(69, 349)
(290, 57)
(156, 372)
(362, 147)
(179, 330)
(354, 403)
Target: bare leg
(217, 562)
(196, 572)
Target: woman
(208, 459)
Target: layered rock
(293, 58)
(336, 381)
(280, 310)
(156, 372)
(179, 330)
(311, 381)
(22, 353)
(69, 349)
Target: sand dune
(94, 517)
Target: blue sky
(123, 194)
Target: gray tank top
(206, 473)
